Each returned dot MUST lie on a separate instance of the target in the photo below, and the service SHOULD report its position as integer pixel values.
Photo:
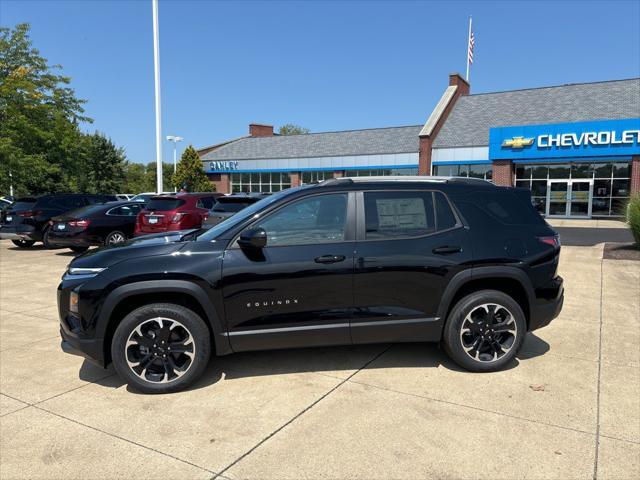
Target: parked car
(401, 259)
(174, 212)
(146, 196)
(27, 221)
(228, 206)
(101, 224)
(124, 196)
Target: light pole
(175, 140)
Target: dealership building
(576, 147)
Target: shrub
(633, 217)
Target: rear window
(85, 211)
(164, 204)
(230, 207)
(483, 208)
(62, 202)
(23, 204)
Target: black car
(100, 224)
(228, 206)
(27, 221)
(347, 261)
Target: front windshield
(245, 213)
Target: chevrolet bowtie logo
(518, 142)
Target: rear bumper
(71, 240)
(548, 305)
(9, 236)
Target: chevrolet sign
(601, 138)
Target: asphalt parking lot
(569, 408)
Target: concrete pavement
(569, 408)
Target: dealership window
(265, 182)
(315, 176)
(483, 170)
(380, 172)
(611, 185)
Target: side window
(398, 214)
(313, 220)
(206, 202)
(445, 218)
(125, 210)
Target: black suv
(347, 261)
(28, 220)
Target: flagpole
(156, 71)
(468, 46)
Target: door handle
(330, 258)
(446, 250)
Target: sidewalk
(581, 223)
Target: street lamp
(175, 140)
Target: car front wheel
(161, 348)
(484, 331)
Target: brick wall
(503, 173)
(221, 182)
(258, 130)
(635, 174)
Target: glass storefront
(381, 172)
(265, 182)
(577, 189)
(315, 176)
(464, 170)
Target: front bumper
(548, 304)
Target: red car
(174, 212)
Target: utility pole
(156, 68)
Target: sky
(324, 65)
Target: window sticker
(401, 213)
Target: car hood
(146, 246)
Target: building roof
(372, 141)
(473, 115)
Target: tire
(148, 364)
(79, 249)
(45, 238)
(23, 243)
(115, 237)
(484, 347)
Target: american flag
(472, 42)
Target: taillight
(29, 213)
(177, 217)
(554, 240)
(79, 223)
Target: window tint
(64, 202)
(318, 219)
(125, 210)
(164, 203)
(230, 207)
(21, 204)
(482, 208)
(445, 218)
(398, 214)
(206, 202)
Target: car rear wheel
(484, 331)
(22, 243)
(45, 238)
(115, 237)
(161, 348)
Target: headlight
(73, 301)
(85, 271)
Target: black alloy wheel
(161, 348)
(22, 243)
(484, 331)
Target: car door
(410, 244)
(297, 290)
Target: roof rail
(408, 178)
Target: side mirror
(253, 238)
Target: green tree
(190, 174)
(291, 129)
(104, 165)
(40, 142)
